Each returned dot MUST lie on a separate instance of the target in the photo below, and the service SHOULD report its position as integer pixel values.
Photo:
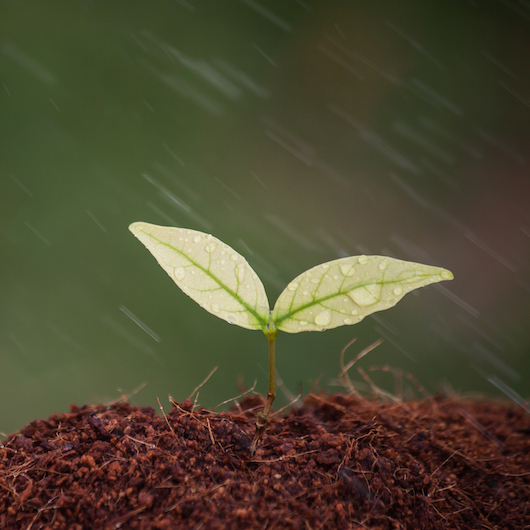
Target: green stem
(271, 394)
(263, 417)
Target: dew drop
(348, 321)
(323, 318)
(397, 291)
(363, 260)
(215, 308)
(347, 269)
(241, 272)
(197, 239)
(234, 257)
(210, 248)
(383, 265)
(292, 286)
(367, 295)
(179, 273)
(303, 322)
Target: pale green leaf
(209, 271)
(344, 291)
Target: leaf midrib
(290, 313)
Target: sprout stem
(263, 417)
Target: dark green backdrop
(295, 131)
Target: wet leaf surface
(344, 291)
(209, 271)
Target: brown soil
(336, 462)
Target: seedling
(337, 293)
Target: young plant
(337, 293)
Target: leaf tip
(447, 275)
(137, 227)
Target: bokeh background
(297, 131)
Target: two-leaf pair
(332, 294)
(336, 293)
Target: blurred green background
(297, 132)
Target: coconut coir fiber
(335, 462)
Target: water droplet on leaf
(347, 269)
(367, 295)
(323, 318)
(241, 272)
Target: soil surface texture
(334, 462)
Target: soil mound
(335, 462)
